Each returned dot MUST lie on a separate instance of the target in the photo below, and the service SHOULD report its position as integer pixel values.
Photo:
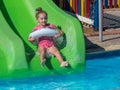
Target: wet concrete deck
(111, 33)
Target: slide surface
(11, 57)
(19, 19)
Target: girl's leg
(55, 51)
(42, 52)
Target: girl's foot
(43, 63)
(63, 64)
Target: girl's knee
(42, 50)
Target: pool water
(102, 73)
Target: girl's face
(42, 19)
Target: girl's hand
(31, 39)
(59, 34)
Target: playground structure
(18, 56)
(87, 11)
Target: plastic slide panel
(12, 53)
(22, 15)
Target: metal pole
(100, 20)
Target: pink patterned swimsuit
(45, 41)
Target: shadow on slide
(16, 53)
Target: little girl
(46, 43)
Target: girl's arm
(60, 31)
(31, 39)
(59, 34)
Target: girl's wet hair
(39, 11)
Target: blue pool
(102, 73)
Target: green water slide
(16, 52)
(11, 57)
